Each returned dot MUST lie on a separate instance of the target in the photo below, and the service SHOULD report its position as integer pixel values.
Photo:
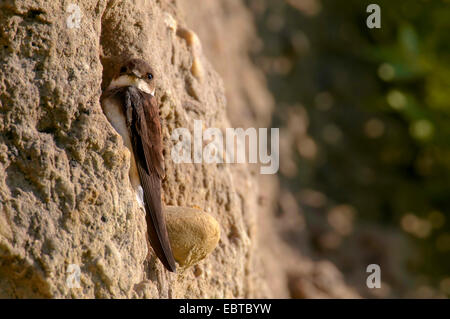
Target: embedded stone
(193, 234)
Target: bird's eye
(123, 69)
(150, 76)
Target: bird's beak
(136, 74)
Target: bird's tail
(156, 223)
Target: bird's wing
(155, 151)
(145, 131)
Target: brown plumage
(132, 110)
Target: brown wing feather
(153, 151)
(145, 130)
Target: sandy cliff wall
(64, 193)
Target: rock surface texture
(65, 197)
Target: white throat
(126, 80)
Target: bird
(130, 106)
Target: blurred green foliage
(378, 102)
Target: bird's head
(135, 72)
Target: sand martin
(131, 108)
